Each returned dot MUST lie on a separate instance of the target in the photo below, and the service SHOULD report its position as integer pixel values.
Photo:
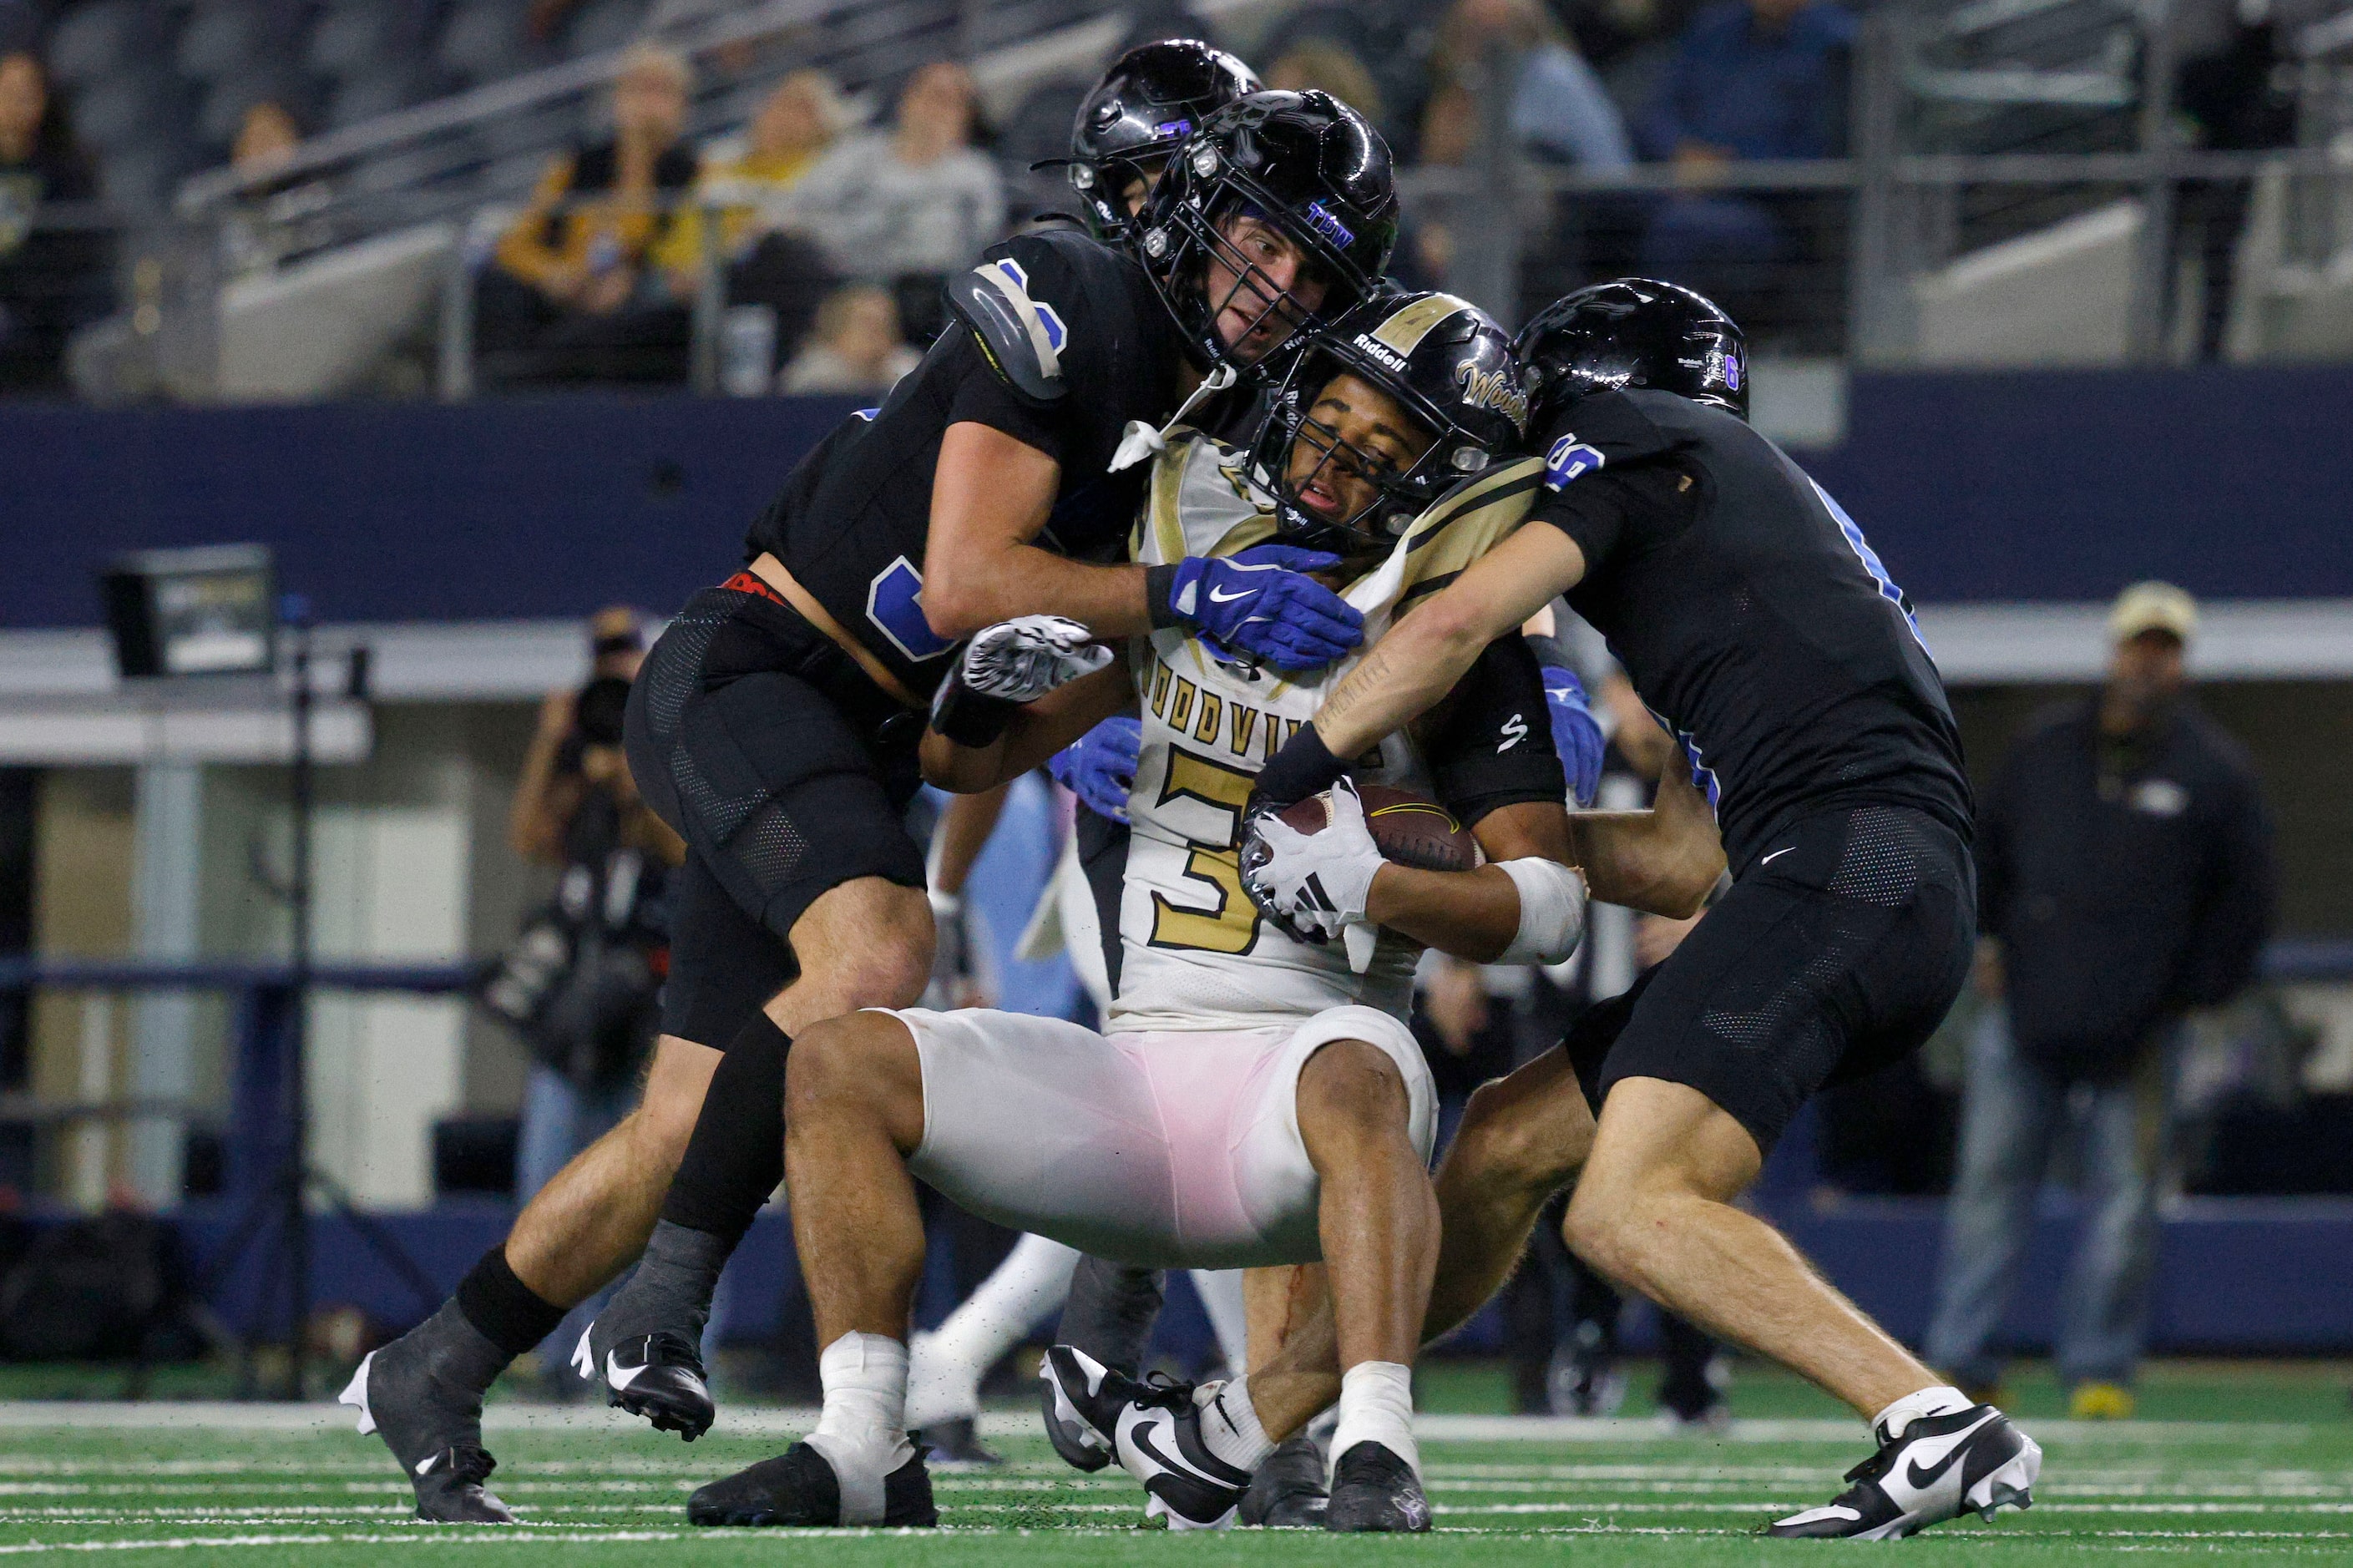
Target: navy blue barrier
(2053, 485)
(2233, 1274)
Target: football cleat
(1080, 1445)
(955, 1445)
(1374, 1490)
(1972, 1461)
(421, 1393)
(1154, 1429)
(659, 1376)
(798, 1489)
(1288, 1492)
(1108, 1317)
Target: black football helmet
(1444, 361)
(1636, 331)
(1305, 163)
(1149, 103)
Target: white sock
(1220, 1290)
(1890, 1424)
(1229, 1428)
(1377, 1406)
(946, 1365)
(863, 1432)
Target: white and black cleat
(1154, 1429)
(659, 1376)
(1972, 1461)
(421, 1394)
(1374, 1491)
(799, 1490)
(1081, 1445)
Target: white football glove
(1022, 660)
(1314, 884)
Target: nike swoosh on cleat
(1919, 1479)
(620, 1376)
(427, 1463)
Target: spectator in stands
(1560, 112)
(906, 206)
(768, 261)
(857, 347)
(1752, 79)
(51, 280)
(2226, 92)
(595, 279)
(2125, 876)
(275, 218)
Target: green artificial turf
(2245, 1462)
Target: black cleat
(659, 1376)
(1288, 1492)
(955, 1445)
(422, 1394)
(1154, 1429)
(1373, 1490)
(798, 1489)
(1973, 1461)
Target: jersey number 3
(1229, 924)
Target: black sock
(504, 1310)
(736, 1156)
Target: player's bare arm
(1662, 861)
(1031, 735)
(989, 500)
(1427, 651)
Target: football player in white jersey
(1257, 1099)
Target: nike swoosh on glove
(1262, 601)
(1098, 767)
(1576, 735)
(1312, 884)
(1022, 660)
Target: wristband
(1305, 766)
(966, 717)
(1159, 594)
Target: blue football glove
(1261, 602)
(1098, 767)
(1575, 734)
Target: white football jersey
(1194, 952)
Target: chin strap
(1141, 441)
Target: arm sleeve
(1492, 748)
(2227, 941)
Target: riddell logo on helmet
(1496, 389)
(1381, 352)
(1321, 220)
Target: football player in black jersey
(1146, 106)
(1755, 620)
(774, 725)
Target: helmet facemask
(1229, 259)
(1350, 460)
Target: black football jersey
(1751, 617)
(851, 520)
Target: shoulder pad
(1596, 431)
(1023, 337)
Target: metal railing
(2003, 150)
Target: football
(1410, 829)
